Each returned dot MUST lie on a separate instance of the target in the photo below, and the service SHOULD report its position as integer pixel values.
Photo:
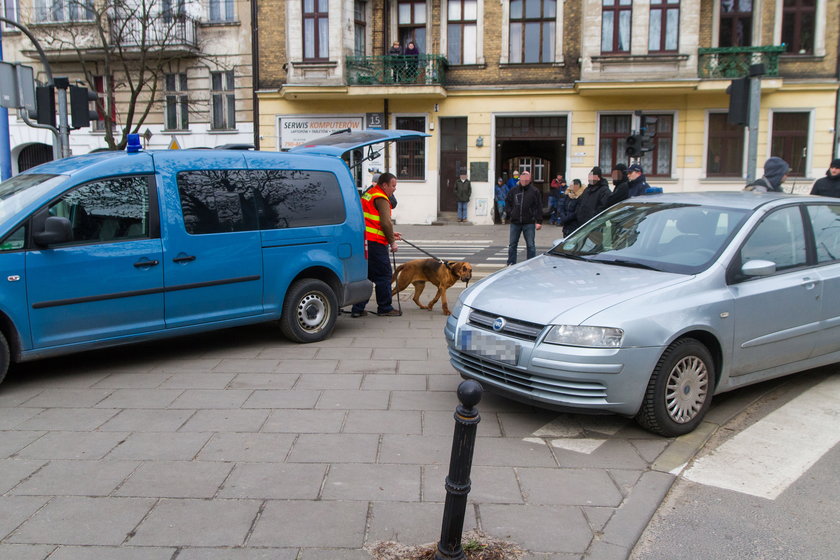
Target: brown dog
(443, 275)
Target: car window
(14, 241)
(825, 221)
(113, 209)
(779, 238)
(216, 201)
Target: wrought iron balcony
(424, 69)
(735, 62)
(165, 32)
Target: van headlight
(591, 337)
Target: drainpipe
(255, 72)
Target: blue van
(120, 247)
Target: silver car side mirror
(758, 267)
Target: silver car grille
(528, 382)
(513, 327)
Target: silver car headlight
(591, 337)
(455, 310)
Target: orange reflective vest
(373, 225)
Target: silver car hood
(549, 289)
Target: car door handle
(809, 283)
(185, 258)
(146, 263)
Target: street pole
(756, 70)
(61, 86)
(5, 147)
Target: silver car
(658, 303)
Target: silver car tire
(680, 389)
(309, 311)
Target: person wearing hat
(775, 172)
(513, 181)
(463, 192)
(636, 180)
(621, 188)
(595, 197)
(830, 184)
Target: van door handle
(146, 263)
(185, 258)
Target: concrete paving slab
(147, 420)
(348, 353)
(211, 398)
(83, 521)
(14, 417)
(274, 481)
(506, 452)
(247, 447)
(161, 446)
(338, 399)
(240, 365)
(76, 478)
(383, 422)
(292, 398)
(367, 366)
(442, 423)
(13, 471)
(140, 398)
(392, 382)
(321, 381)
(306, 366)
(305, 421)
(495, 485)
(403, 354)
(225, 421)
(334, 448)
(26, 551)
(538, 528)
(68, 398)
(238, 554)
(323, 524)
(388, 522)
(382, 483)
(197, 523)
(133, 380)
(332, 554)
(264, 381)
(112, 553)
(415, 450)
(69, 445)
(71, 419)
(14, 510)
(197, 380)
(175, 479)
(430, 401)
(592, 487)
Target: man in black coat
(621, 188)
(637, 182)
(830, 184)
(595, 198)
(524, 206)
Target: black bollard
(460, 463)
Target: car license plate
(488, 346)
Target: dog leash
(394, 260)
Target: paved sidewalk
(240, 445)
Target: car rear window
(226, 200)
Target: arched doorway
(34, 154)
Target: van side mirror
(56, 230)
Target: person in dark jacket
(775, 172)
(621, 188)
(524, 207)
(566, 211)
(636, 180)
(595, 198)
(463, 192)
(830, 184)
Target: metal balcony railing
(165, 31)
(424, 69)
(734, 62)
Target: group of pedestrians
(404, 62)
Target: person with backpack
(775, 172)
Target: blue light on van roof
(133, 146)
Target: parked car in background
(119, 247)
(658, 303)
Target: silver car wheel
(312, 312)
(685, 392)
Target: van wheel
(309, 312)
(680, 390)
(4, 357)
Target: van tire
(4, 357)
(309, 312)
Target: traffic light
(80, 111)
(739, 102)
(45, 105)
(634, 145)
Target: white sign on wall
(295, 131)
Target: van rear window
(225, 200)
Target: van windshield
(21, 190)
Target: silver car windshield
(20, 190)
(670, 237)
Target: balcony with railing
(170, 33)
(735, 62)
(391, 70)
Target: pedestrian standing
(380, 237)
(775, 172)
(595, 197)
(568, 204)
(621, 187)
(524, 206)
(830, 184)
(463, 192)
(637, 181)
(555, 191)
(499, 194)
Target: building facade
(551, 87)
(178, 72)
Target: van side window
(14, 241)
(113, 209)
(216, 201)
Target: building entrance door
(453, 158)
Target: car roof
(746, 200)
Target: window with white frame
(664, 30)
(616, 18)
(411, 20)
(316, 30)
(532, 29)
(47, 11)
(223, 100)
(461, 31)
(724, 148)
(359, 27)
(799, 25)
(102, 104)
(657, 162)
(221, 11)
(789, 140)
(612, 143)
(11, 9)
(177, 102)
(736, 21)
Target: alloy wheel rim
(312, 312)
(686, 389)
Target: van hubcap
(312, 312)
(685, 393)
